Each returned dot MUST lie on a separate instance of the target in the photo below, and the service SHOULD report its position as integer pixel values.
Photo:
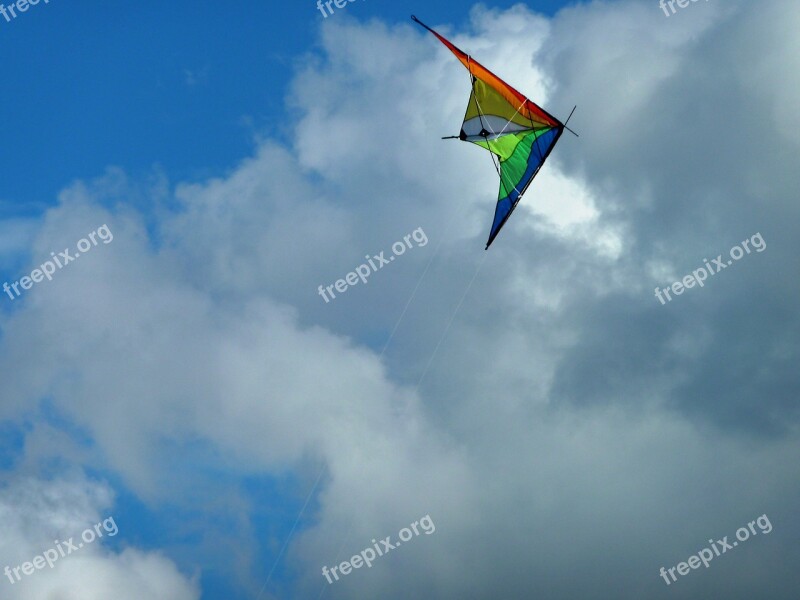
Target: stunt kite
(510, 126)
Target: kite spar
(516, 131)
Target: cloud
(572, 435)
(40, 515)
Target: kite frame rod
(567, 121)
(414, 18)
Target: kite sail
(507, 124)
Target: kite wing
(507, 124)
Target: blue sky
(184, 85)
(188, 379)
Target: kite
(510, 126)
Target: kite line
(523, 163)
(291, 532)
(419, 382)
(380, 356)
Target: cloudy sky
(567, 433)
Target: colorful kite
(511, 127)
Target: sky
(591, 408)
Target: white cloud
(39, 516)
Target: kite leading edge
(515, 130)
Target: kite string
(450, 322)
(416, 287)
(324, 466)
(385, 347)
(291, 532)
(516, 112)
(416, 388)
